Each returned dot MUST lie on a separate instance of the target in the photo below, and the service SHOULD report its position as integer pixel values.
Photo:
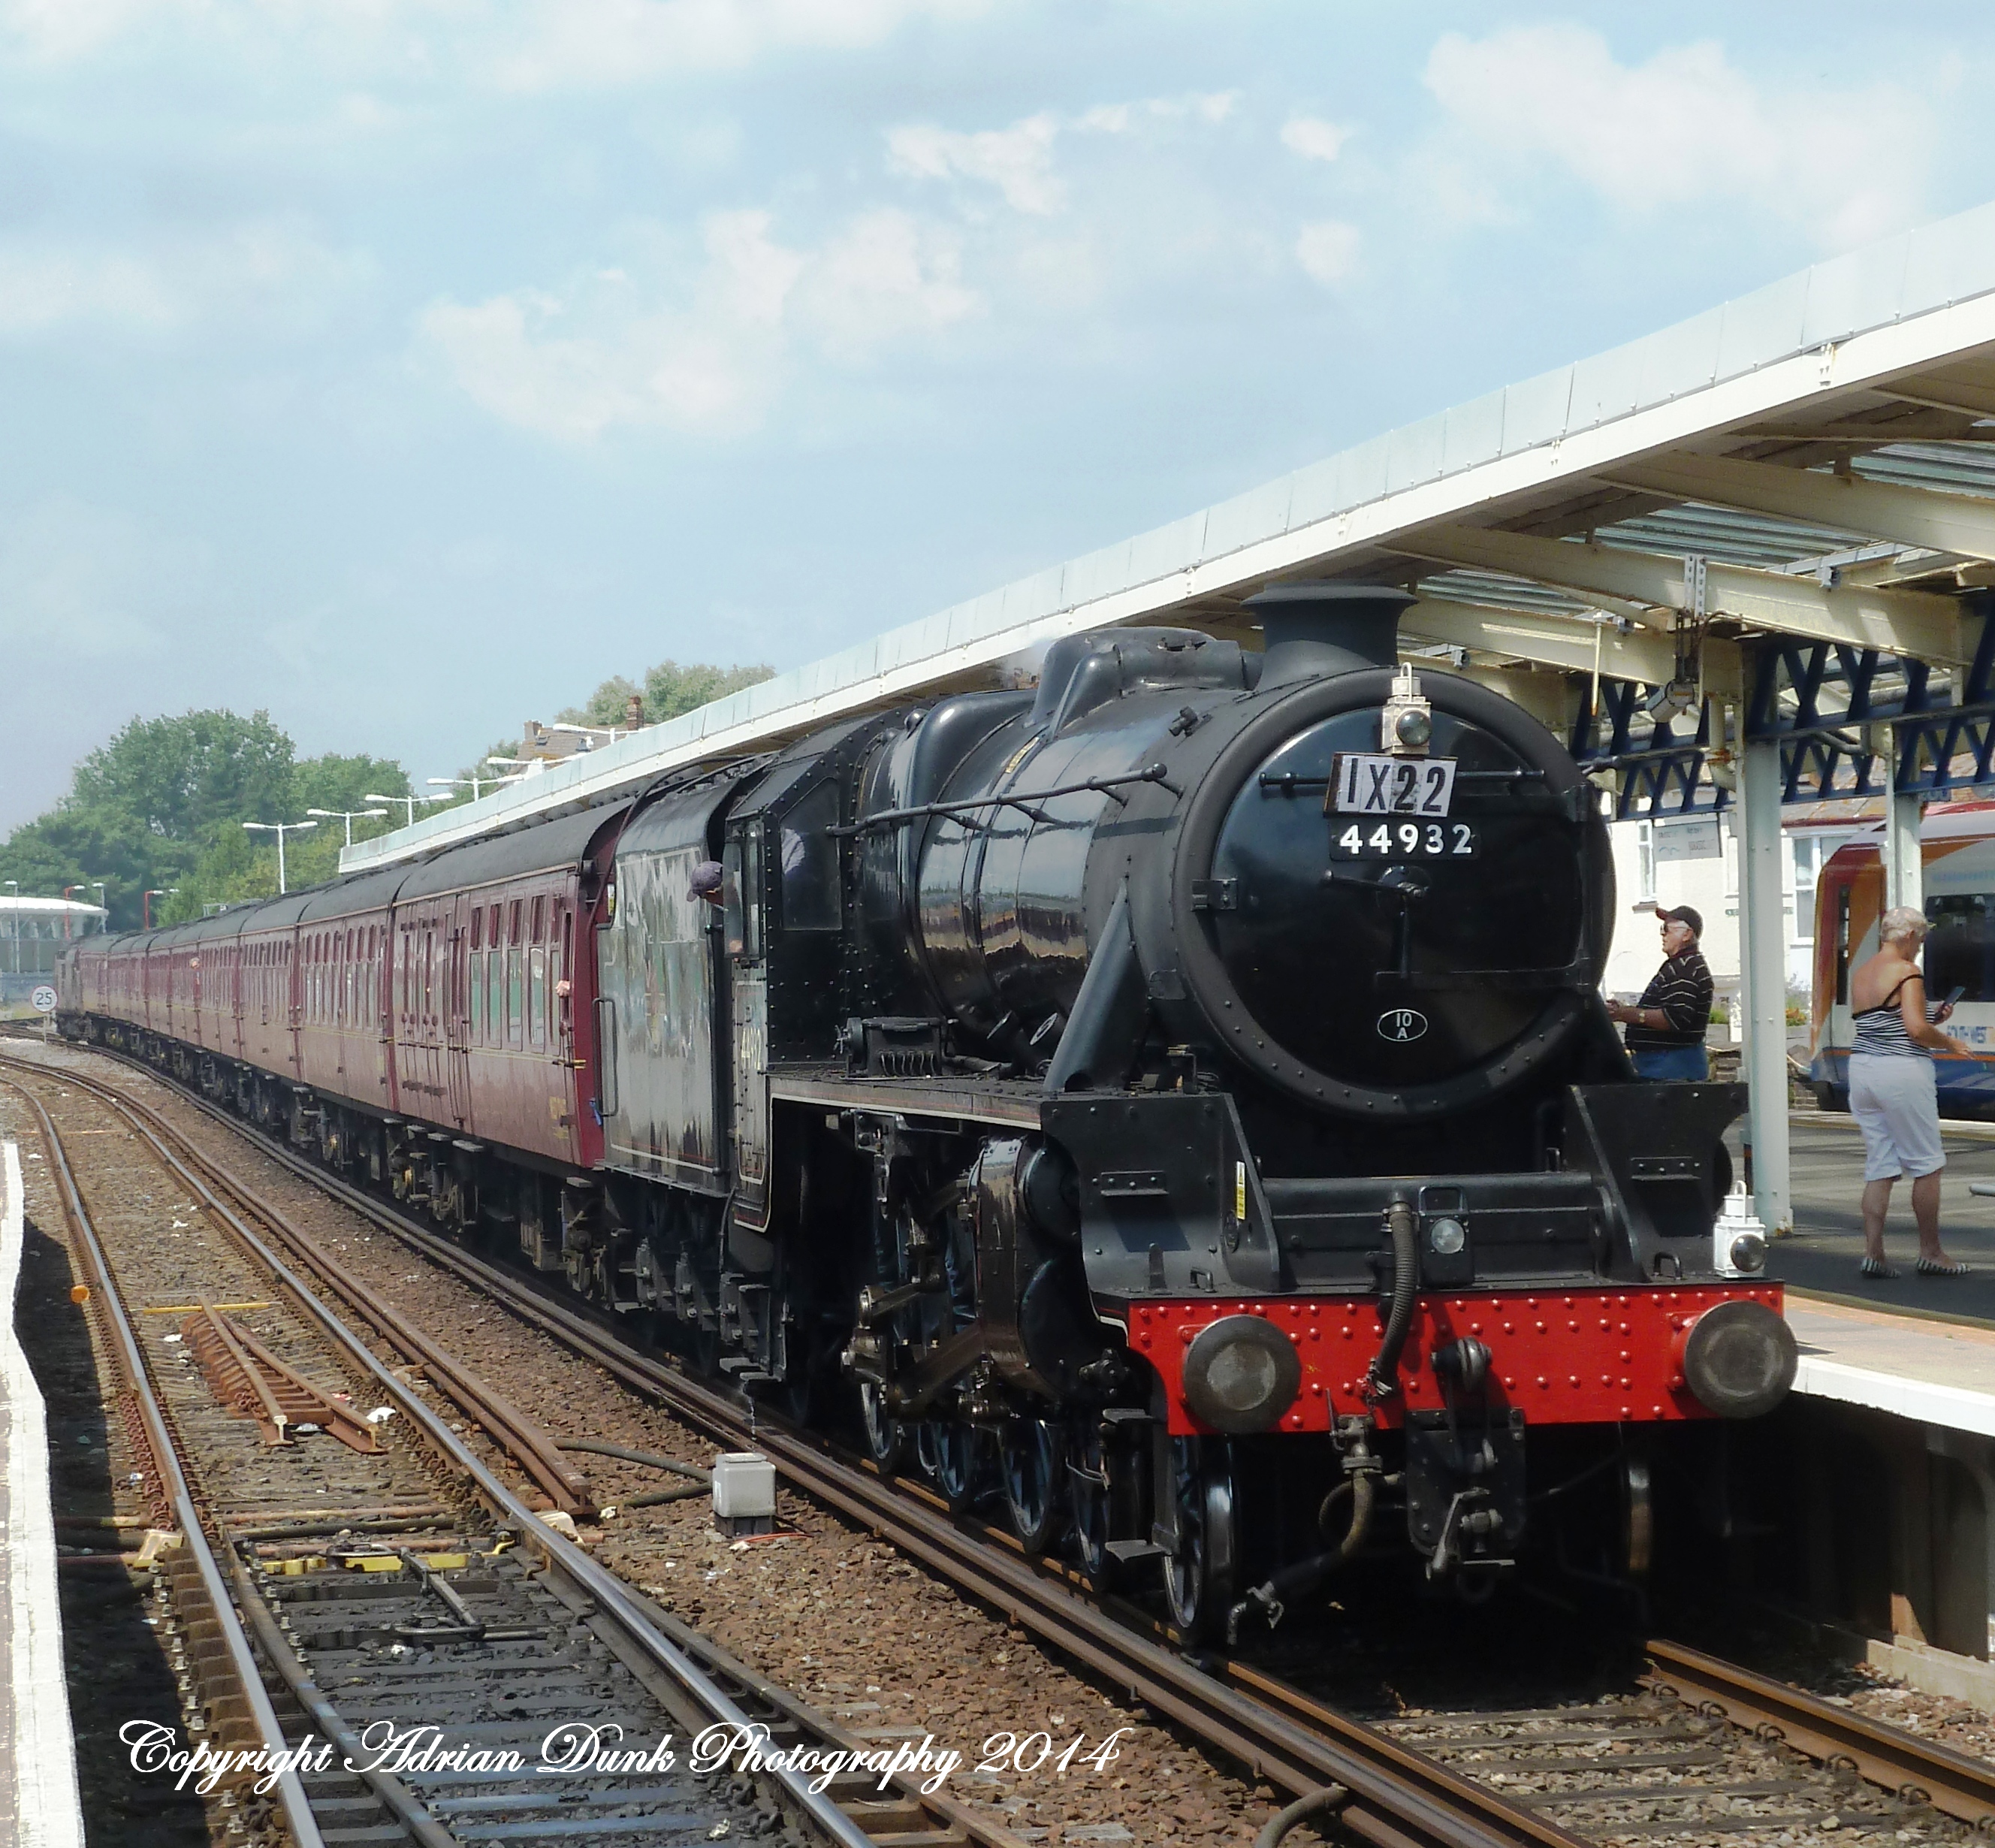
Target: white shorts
(1896, 1101)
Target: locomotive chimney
(1315, 629)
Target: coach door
(454, 932)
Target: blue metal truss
(1820, 699)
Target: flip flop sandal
(1931, 1267)
(1876, 1267)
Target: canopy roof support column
(1905, 866)
(1763, 965)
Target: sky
(407, 367)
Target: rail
(1914, 1768)
(619, 1602)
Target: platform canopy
(1771, 519)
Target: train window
(731, 886)
(539, 921)
(512, 924)
(1842, 947)
(810, 862)
(537, 986)
(1960, 952)
(477, 927)
(515, 993)
(494, 995)
(477, 998)
(1807, 852)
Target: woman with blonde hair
(1892, 1093)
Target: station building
(1693, 859)
(33, 934)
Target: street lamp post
(146, 902)
(477, 785)
(348, 815)
(281, 828)
(409, 801)
(78, 886)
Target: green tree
(162, 806)
(669, 689)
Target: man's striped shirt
(1682, 990)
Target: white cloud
(1211, 106)
(1327, 251)
(561, 44)
(274, 274)
(885, 277)
(1017, 160)
(1314, 139)
(603, 356)
(528, 45)
(1687, 127)
(54, 30)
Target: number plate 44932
(1360, 784)
(1402, 839)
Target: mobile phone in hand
(1954, 995)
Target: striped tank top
(1880, 1031)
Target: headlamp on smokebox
(1406, 726)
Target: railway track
(327, 1584)
(1708, 1748)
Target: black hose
(656, 1498)
(1327, 1802)
(1382, 1376)
(1308, 1576)
(635, 1456)
(1363, 1489)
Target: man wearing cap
(1666, 1028)
(708, 881)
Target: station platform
(1822, 1255)
(1940, 1373)
(39, 1806)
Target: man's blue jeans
(1678, 1062)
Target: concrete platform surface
(38, 1805)
(1941, 1373)
(1827, 1181)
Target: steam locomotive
(1173, 1103)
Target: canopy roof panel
(1815, 459)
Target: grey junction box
(744, 1492)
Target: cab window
(1960, 952)
(809, 862)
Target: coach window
(810, 862)
(537, 982)
(476, 975)
(516, 981)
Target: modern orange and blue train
(1958, 844)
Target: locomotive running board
(968, 1100)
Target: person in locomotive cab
(1666, 1028)
(708, 881)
